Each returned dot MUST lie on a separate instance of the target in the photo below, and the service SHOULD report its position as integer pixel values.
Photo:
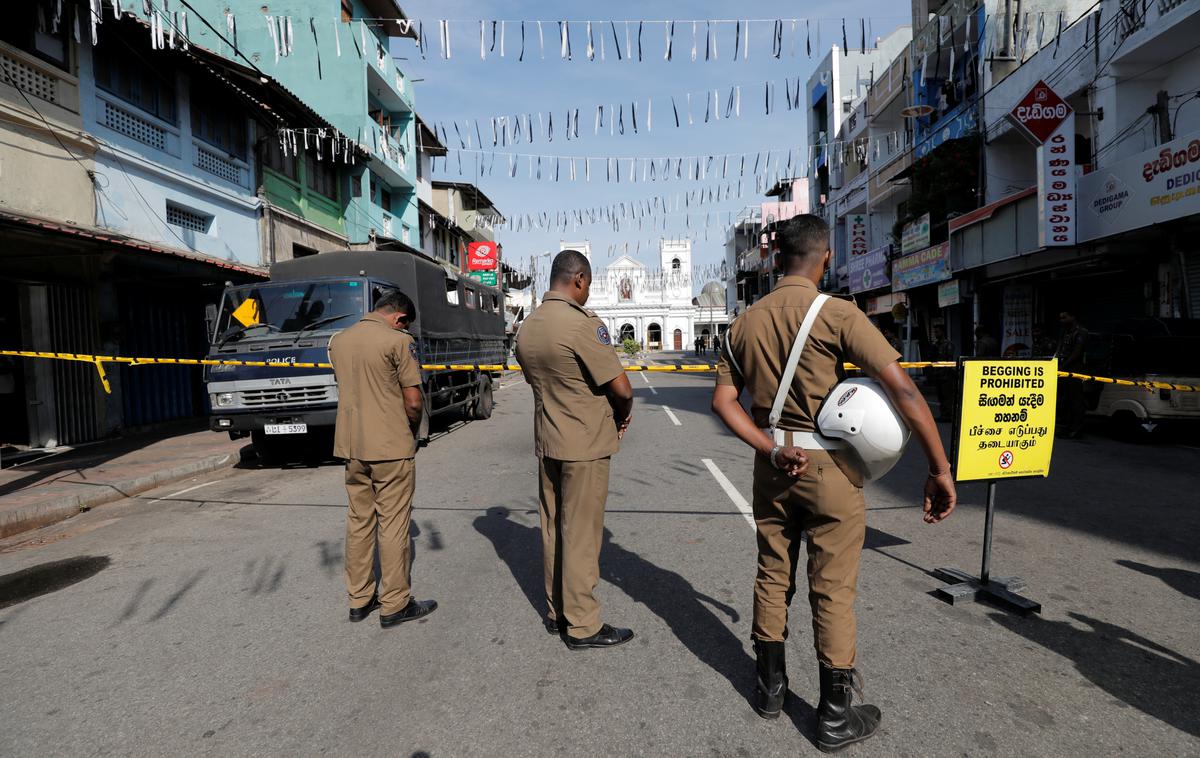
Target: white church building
(655, 307)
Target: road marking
(671, 414)
(519, 379)
(647, 381)
(183, 492)
(730, 491)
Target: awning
(36, 225)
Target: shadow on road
(686, 611)
(45, 578)
(1181, 580)
(1129, 667)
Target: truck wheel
(481, 409)
(269, 450)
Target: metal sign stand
(1002, 590)
(964, 588)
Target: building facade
(654, 307)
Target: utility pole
(1163, 111)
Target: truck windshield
(260, 310)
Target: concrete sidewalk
(58, 486)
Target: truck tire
(269, 451)
(481, 409)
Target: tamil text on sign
(1007, 428)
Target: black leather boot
(772, 678)
(838, 722)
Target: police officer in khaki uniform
(800, 488)
(582, 407)
(379, 408)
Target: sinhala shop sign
(1040, 112)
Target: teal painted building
(334, 55)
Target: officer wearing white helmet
(819, 438)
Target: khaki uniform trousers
(832, 511)
(381, 494)
(573, 494)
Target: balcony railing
(1137, 14)
(948, 18)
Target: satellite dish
(916, 111)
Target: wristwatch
(774, 452)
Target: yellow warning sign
(247, 312)
(1007, 426)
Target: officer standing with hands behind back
(582, 407)
(801, 483)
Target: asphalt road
(209, 617)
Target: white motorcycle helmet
(858, 412)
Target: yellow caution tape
(99, 360)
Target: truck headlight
(223, 400)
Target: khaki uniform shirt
(567, 357)
(372, 363)
(762, 337)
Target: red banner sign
(482, 256)
(1040, 112)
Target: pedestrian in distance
(802, 485)
(583, 404)
(986, 345)
(945, 379)
(1072, 405)
(379, 410)
(697, 344)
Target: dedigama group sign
(1148, 188)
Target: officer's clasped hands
(792, 461)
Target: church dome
(712, 295)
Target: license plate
(286, 428)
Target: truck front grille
(286, 396)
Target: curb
(45, 514)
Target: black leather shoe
(554, 626)
(608, 636)
(772, 678)
(414, 610)
(838, 722)
(359, 614)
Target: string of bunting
(767, 166)
(618, 119)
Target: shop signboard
(869, 272)
(1017, 340)
(483, 256)
(1007, 425)
(1049, 122)
(1154, 186)
(948, 293)
(484, 277)
(926, 266)
(915, 235)
(884, 303)
(856, 233)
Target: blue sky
(465, 87)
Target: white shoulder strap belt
(802, 439)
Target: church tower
(675, 259)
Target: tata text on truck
(291, 318)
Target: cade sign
(1049, 122)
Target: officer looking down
(582, 405)
(809, 483)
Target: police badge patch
(602, 335)
(412, 349)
